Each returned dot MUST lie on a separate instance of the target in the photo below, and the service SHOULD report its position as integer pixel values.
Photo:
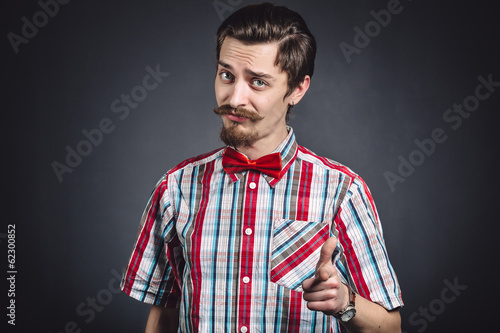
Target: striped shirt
(231, 250)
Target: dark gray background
(73, 236)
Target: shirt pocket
(296, 249)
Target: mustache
(238, 111)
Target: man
(262, 235)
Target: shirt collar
(288, 150)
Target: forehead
(256, 57)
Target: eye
(259, 83)
(225, 76)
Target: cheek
(263, 102)
(274, 106)
(222, 92)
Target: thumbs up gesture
(325, 292)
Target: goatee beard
(230, 134)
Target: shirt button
(248, 231)
(246, 279)
(244, 329)
(252, 185)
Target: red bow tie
(233, 161)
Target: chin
(237, 136)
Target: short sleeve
(152, 274)
(364, 262)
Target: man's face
(247, 78)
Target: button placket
(247, 256)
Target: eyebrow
(260, 75)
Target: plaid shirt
(231, 251)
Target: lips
(237, 119)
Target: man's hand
(325, 292)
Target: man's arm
(371, 317)
(162, 320)
(325, 292)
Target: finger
(324, 306)
(308, 284)
(324, 294)
(326, 272)
(327, 251)
(314, 285)
(325, 259)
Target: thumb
(324, 268)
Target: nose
(239, 94)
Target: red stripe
(305, 191)
(136, 258)
(291, 262)
(294, 316)
(246, 258)
(351, 257)
(196, 276)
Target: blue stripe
(288, 189)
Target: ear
(300, 91)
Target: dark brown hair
(265, 23)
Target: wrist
(347, 294)
(349, 311)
